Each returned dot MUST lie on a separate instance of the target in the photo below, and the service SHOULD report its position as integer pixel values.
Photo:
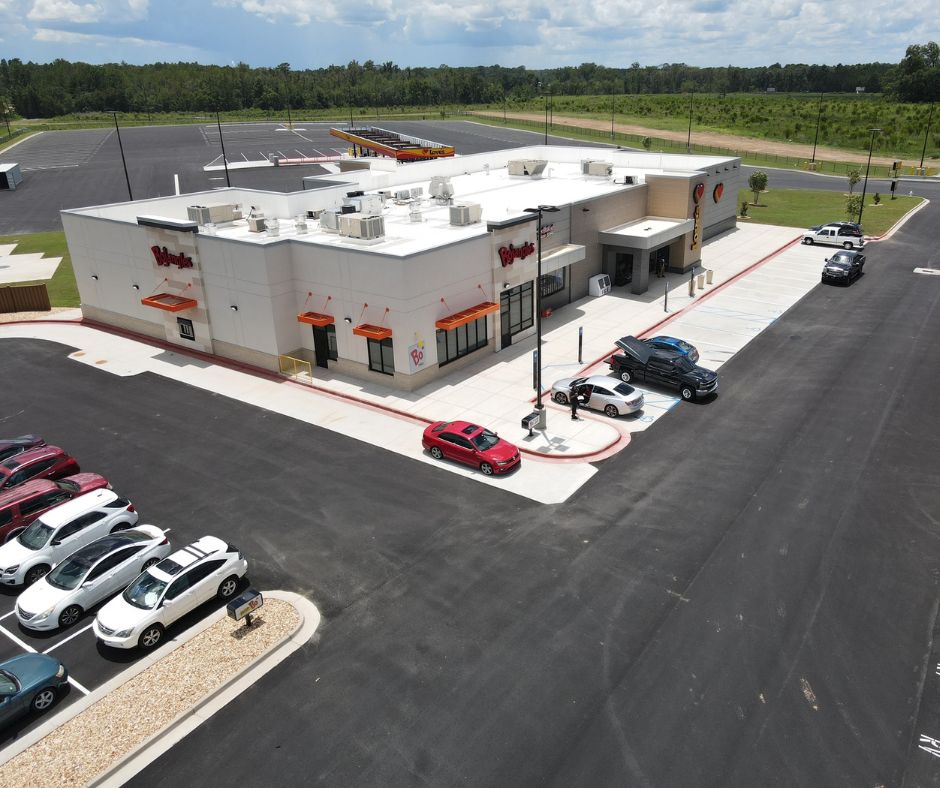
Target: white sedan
(89, 576)
(599, 392)
(168, 591)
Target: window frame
(380, 346)
(448, 340)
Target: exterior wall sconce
(348, 320)
(234, 308)
(135, 287)
(95, 277)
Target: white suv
(168, 591)
(60, 532)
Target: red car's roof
(33, 455)
(25, 490)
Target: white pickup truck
(846, 235)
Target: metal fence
(24, 298)
(295, 368)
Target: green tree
(757, 183)
(647, 143)
(854, 177)
(853, 206)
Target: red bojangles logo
(163, 257)
(508, 254)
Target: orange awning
(467, 316)
(316, 319)
(372, 332)
(169, 302)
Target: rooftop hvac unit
(441, 188)
(603, 169)
(355, 225)
(214, 214)
(402, 196)
(461, 215)
(527, 167)
(329, 221)
(417, 191)
(256, 223)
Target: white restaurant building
(394, 272)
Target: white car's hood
(119, 614)
(41, 596)
(13, 554)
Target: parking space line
(7, 615)
(66, 640)
(15, 639)
(78, 686)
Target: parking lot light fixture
(117, 128)
(218, 121)
(538, 310)
(871, 145)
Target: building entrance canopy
(648, 233)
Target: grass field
(798, 208)
(62, 288)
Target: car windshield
(684, 365)
(68, 485)
(834, 263)
(485, 440)
(35, 536)
(145, 591)
(69, 574)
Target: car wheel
(228, 587)
(847, 245)
(486, 468)
(151, 636)
(560, 398)
(35, 573)
(687, 393)
(626, 376)
(148, 563)
(436, 453)
(611, 410)
(808, 241)
(43, 699)
(70, 615)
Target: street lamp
(818, 116)
(123, 161)
(546, 119)
(222, 143)
(538, 311)
(867, 167)
(688, 144)
(926, 134)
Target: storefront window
(381, 356)
(460, 341)
(553, 282)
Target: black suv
(642, 363)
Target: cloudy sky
(615, 33)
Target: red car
(10, 447)
(21, 505)
(472, 445)
(44, 462)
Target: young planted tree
(647, 143)
(853, 206)
(757, 183)
(854, 177)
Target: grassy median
(63, 291)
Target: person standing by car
(573, 396)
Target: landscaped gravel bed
(85, 746)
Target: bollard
(708, 276)
(700, 281)
(692, 286)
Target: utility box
(10, 175)
(599, 285)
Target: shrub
(757, 183)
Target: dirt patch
(733, 142)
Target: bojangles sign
(163, 257)
(508, 254)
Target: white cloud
(107, 11)
(50, 36)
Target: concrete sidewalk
(758, 273)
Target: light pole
(538, 311)
(867, 166)
(611, 113)
(688, 143)
(123, 161)
(222, 143)
(818, 116)
(926, 134)
(546, 119)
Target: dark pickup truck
(640, 362)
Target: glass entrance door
(515, 312)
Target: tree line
(44, 90)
